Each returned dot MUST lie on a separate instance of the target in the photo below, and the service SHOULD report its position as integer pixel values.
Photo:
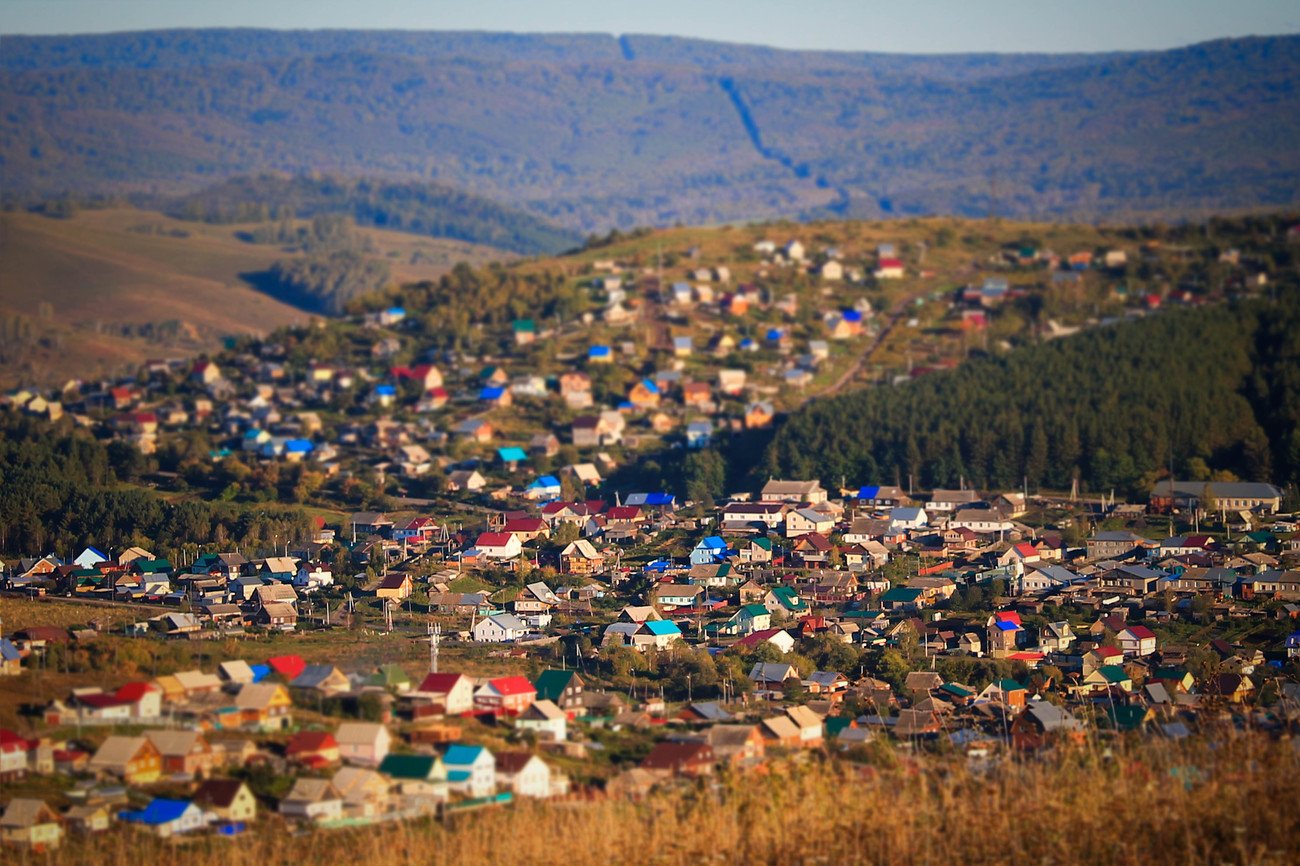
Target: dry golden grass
(1236, 807)
(98, 270)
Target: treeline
(447, 310)
(61, 490)
(417, 208)
(1204, 390)
(336, 263)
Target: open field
(109, 288)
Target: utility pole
(435, 635)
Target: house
(784, 599)
(471, 769)
(277, 616)
(453, 693)
(769, 678)
(750, 618)
(798, 492)
(1113, 544)
(564, 688)
(670, 596)
(1043, 724)
(754, 551)
(499, 545)
(655, 634)
(420, 776)
(680, 758)
(363, 743)
(1056, 637)
(321, 679)
(466, 480)
(89, 818)
(1220, 496)
(1137, 641)
(396, 587)
(525, 775)
(505, 696)
(709, 550)
(826, 683)
(981, 520)
(185, 753)
(166, 818)
(777, 637)
(811, 728)
(228, 799)
(499, 628)
(31, 823)
(264, 706)
(312, 799)
(1004, 633)
(738, 745)
(907, 518)
(581, 557)
(903, 598)
(366, 793)
(14, 751)
(11, 660)
(546, 719)
(803, 521)
(134, 760)
(1233, 688)
(314, 749)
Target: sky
(905, 26)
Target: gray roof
(1218, 489)
(1051, 717)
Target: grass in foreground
(1152, 803)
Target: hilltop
(106, 289)
(597, 132)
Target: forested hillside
(418, 208)
(61, 489)
(596, 132)
(1208, 389)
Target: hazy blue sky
(853, 25)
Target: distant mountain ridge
(597, 131)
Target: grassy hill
(593, 131)
(106, 288)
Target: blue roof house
(166, 817)
(471, 770)
(709, 550)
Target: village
(795, 622)
(488, 597)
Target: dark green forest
(595, 132)
(1214, 389)
(337, 264)
(61, 490)
(416, 208)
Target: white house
(805, 520)
(544, 717)
(500, 628)
(1137, 640)
(980, 520)
(311, 576)
(525, 774)
(499, 545)
(312, 800)
(907, 518)
(453, 692)
(471, 770)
